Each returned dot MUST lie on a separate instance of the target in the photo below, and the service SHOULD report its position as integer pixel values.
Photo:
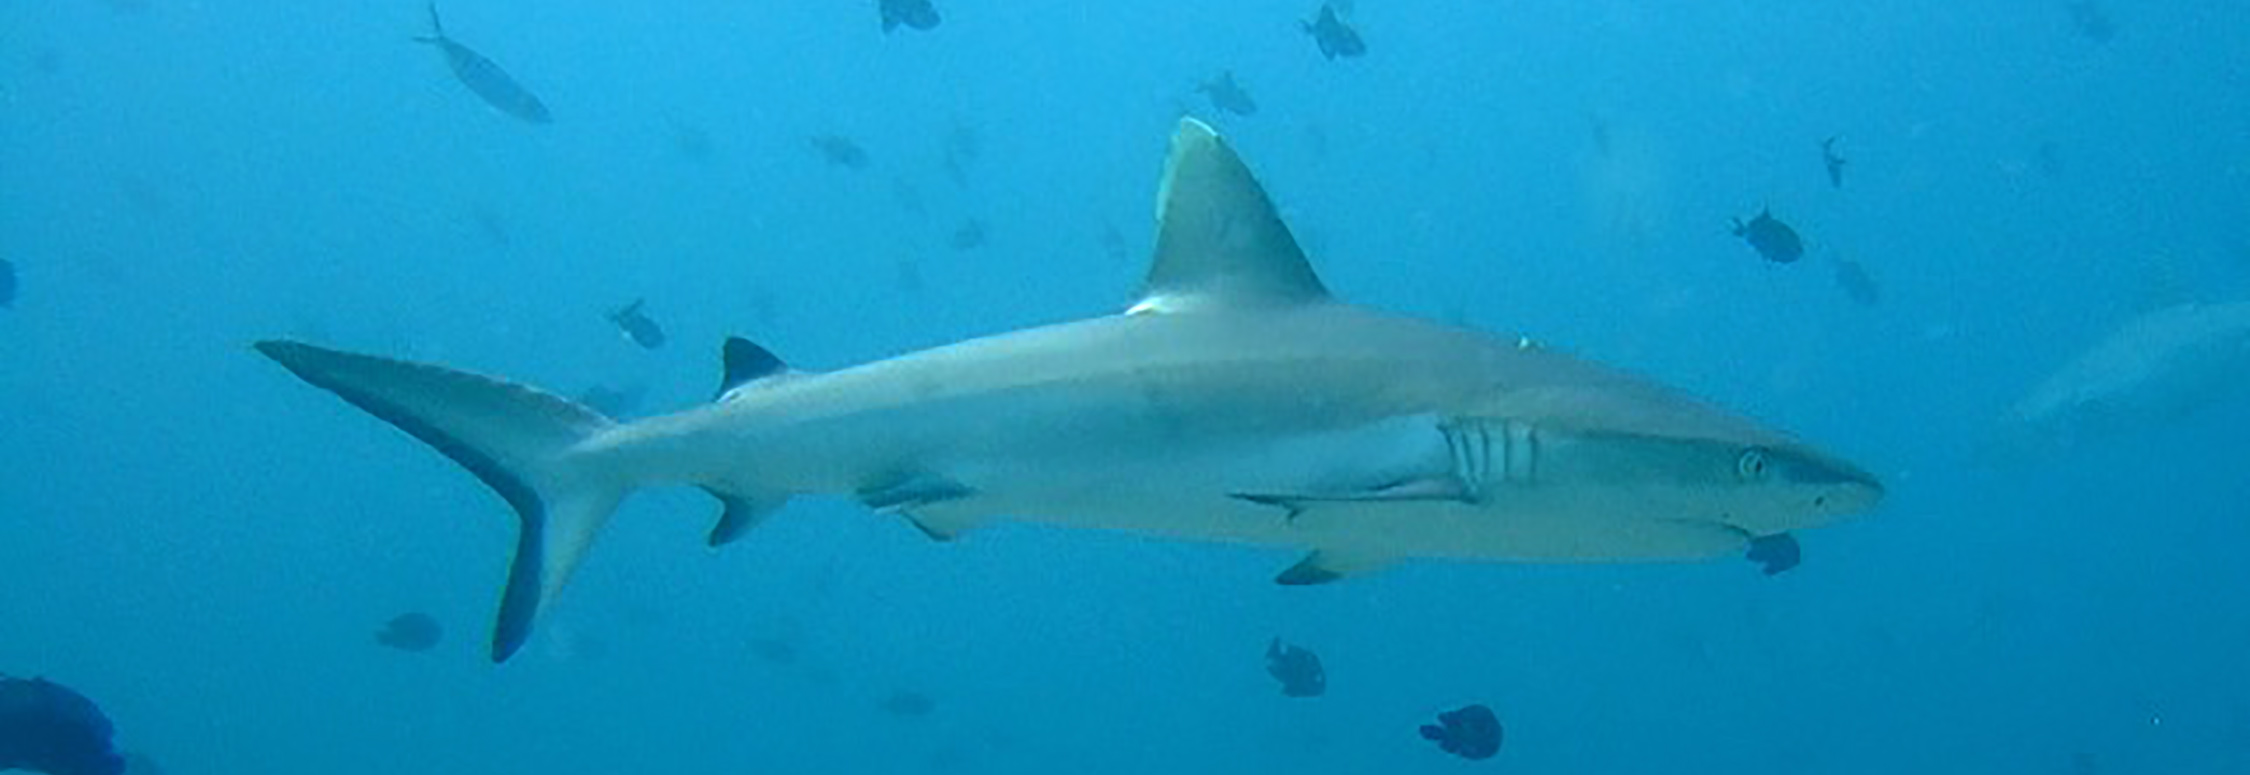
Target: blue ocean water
(206, 546)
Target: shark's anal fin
(1325, 565)
(738, 514)
(920, 499)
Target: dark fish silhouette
(1775, 553)
(1773, 240)
(1470, 733)
(1857, 283)
(2092, 22)
(840, 151)
(1336, 38)
(7, 284)
(638, 326)
(1832, 161)
(774, 650)
(484, 77)
(414, 631)
(1297, 668)
(46, 727)
(962, 146)
(612, 401)
(1228, 95)
(969, 236)
(917, 14)
(909, 704)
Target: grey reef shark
(1235, 399)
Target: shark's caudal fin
(516, 439)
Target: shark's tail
(521, 442)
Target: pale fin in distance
(513, 438)
(1219, 241)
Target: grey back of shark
(1237, 400)
(485, 78)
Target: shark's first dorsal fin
(745, 362)
(1219, 241)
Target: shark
(2159, 367)
(1235, 399)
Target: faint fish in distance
(482, 76)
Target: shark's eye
(1751, 466)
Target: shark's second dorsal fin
(1219, 241)
(745, 362)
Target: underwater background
(207, 547)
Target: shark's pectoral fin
(1776, 553)
(739, 513)
(942, 527)
(1427, 490)
(919, 498)
(1326, 565)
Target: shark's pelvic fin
(745, 362)
(738, 514)
(919, 499)
(1219, 241)
(515, 439)
(1325, 565)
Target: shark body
(1237, 400)
(2156, 368)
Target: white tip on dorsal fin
(1218, 240)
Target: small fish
(691, 142)
(2092, 21)
(47, 727)
(482, 76)
(1228, 95)
(1297, 668)
(612, 401)
(777, 651)
(415, 631)
(1773, 240)
(1857, 283)
(637, 325)
(840, 151)
(917, 14)
(906, 703)
(1336, 38)
(1776, 553)
(1113, 243)
(962, 146)
(1471, 732)
(969, 236)
(1835, 163)
(7, 284)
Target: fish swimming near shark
(1235, 399)
(2157, 368)
(485, 78)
